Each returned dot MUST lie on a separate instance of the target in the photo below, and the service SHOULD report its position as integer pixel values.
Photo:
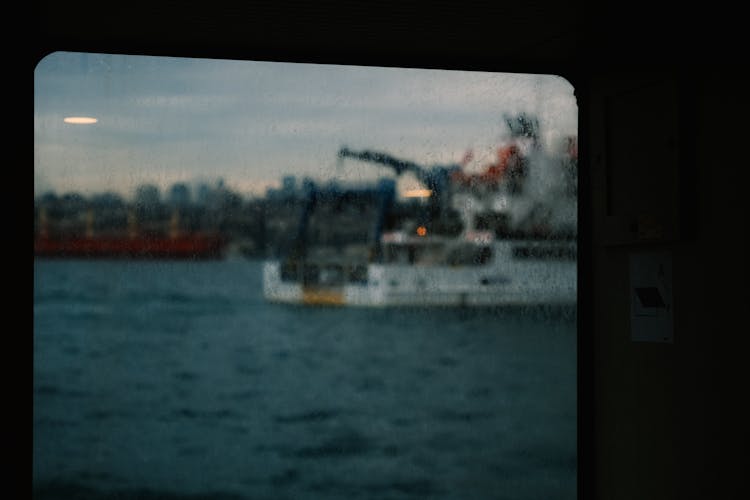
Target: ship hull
(181, 247)
(506, 280)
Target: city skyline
(196, 191)
(162, 120)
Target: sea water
(175, 379)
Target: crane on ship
(440, 178)
(444, 181)
(436, 178)
(502, 188)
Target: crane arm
(398, 165)
(435, 177)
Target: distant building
(203, 193)
(308, 184)
(147, 195)
(288, 190)
(108, 200)
(72, 203)
(289, 186)
(49, 198)
(179, 195)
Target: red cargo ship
(189, 246)
(131, 243)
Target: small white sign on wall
(651, 315)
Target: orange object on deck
(494, 173)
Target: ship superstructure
(516, 242)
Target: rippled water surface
(176, 380)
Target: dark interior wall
(667, 415)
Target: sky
(162, 120)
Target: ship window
(358, 274)
(399, 254)
(469, 255)
(210, 237)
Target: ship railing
(323, 273)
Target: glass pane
(287, 280)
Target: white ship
(531, 262)
(423, 271)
